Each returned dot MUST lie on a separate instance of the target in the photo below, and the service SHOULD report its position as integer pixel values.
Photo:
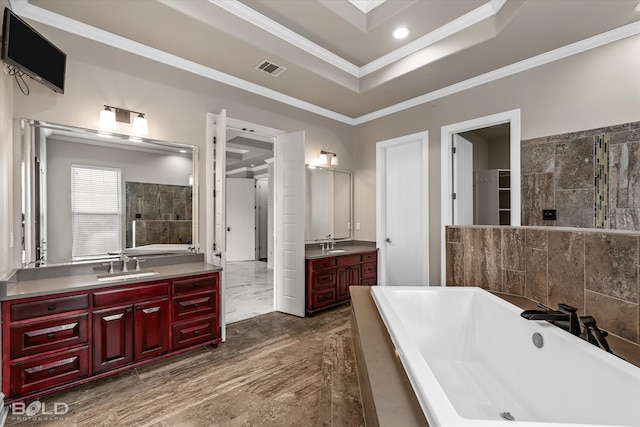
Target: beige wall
(175, 102)
(592, 89)
(6, 174)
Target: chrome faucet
(124, 258)
(331, 242)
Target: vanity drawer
(38, 337)
(318, 264)
(190, 306)
(193, 332)
(195, 284)
(30, 310)
(323, 279)
(369, 269)
(348, 260)
(130, 294)
(370, 256)
(43, 372)
(323, 297)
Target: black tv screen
(26, 50)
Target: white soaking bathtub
(471, 360)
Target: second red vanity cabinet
(328, 278)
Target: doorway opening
(480, 157)
(249, 288)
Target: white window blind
(96, 210)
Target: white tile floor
(249, 290)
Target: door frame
(446, 158)
(381, 197)
(230, 122)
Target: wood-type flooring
(273, 370)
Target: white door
(241, 219)
(289, 292)
(262, 218)
(402, 208)
(215, 251)
(462, 167)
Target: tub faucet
(566, 317)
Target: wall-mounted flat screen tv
(28, 51)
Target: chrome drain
(507, 416)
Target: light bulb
(140, 126)
(107, 119)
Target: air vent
(270, 68)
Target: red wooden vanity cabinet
(56, 341)
(328, 278)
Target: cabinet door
(112, 338)
(151, 334)
(347, 276)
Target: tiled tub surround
(591, 177)
(593, 270)
(162, 213)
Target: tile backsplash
(593, 270)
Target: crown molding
(611, 36)
(249, 15)
(26, 10)
(259, 20)
(87, 31)
(477, 15)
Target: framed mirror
(89, 195)
(329, 204)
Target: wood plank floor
(273, 370)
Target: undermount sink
(335, 251)
(126, 276)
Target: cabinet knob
(196, 332)
(51, 335)
(51, 371)
(51, 307)
(196, 285)
(195, 305)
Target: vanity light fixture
(110, 115)
(323, 160)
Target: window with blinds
(96, 210)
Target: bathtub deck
(387, 396)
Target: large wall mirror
(329, 204)
(89, 195)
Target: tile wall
(162, 213)
(591, 177)
(593, 270)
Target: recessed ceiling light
(401, 33)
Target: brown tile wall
(165, 213)
(558, 173)
(594, 270)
